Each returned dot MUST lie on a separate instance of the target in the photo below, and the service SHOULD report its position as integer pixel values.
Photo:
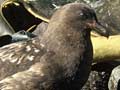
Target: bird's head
(82, 15)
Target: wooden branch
(106, 49)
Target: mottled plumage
(59, 60)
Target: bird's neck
(65, 37)
(67, 43)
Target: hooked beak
(99, 28)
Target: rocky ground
(100, 75)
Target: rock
(107, 10)
(44, 7)
(17, 17)
(114, 81)
(5, 29)
(99, 76)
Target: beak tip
(107, 34)
(102, 30)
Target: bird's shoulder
(21, 56)
(15, 51)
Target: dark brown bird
(60, 60)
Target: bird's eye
(86, 16)
(81, 14)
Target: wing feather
(19, 56)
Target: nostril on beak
(101, 29)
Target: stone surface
(107, 10)
(4, 27)
(99, 76)
(114, 81)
